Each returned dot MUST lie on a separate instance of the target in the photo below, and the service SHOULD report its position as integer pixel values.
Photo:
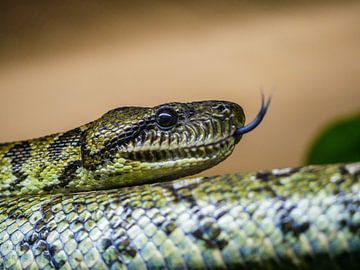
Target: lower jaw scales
(210, 151)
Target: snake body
(86, 199)
(304, 218)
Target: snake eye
(166, 117)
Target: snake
(115, 193)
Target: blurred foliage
(338, 142)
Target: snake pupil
(166, 117)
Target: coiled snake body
(86, 199)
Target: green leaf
(338, 142)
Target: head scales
(134, 145)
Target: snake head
(135, 145)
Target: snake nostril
(221, 108)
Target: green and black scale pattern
(302, 218)
(96, 197)
(126, 146)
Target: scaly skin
(284, 219)
(126, 146)
(305, 218)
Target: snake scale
(99, 197)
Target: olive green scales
(305, 218)
(126, 146)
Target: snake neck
(40, 165)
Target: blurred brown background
(64, 63)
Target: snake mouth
(213, 150)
